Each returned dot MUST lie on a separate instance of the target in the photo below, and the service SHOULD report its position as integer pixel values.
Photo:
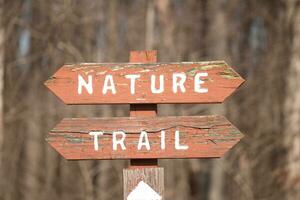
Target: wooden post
(145, 170)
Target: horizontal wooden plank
(185, 137)
(137, 83)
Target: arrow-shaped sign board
(137, 83)
(142, 138)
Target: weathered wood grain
(206, 136)
(221, 81)
(145, 56)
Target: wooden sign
(142, 138)
(138, 83)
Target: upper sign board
(137, 83)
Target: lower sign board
(151, 137)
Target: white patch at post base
(143, 192)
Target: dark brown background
(260, 38)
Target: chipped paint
(101, 73)
(210, 67)
(229, 74)
(145, 70)
(116, 68)
(194, 70)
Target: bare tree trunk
(292, 108)
(12, 143)
(34, 148)
(150, 24)
(216, 41)
(167, 28)
(1, 79)
(112, 29)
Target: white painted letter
(143, 143)
(198, 82)
(163, 140)
(120, 141)
(178, 146)
(109, 84)
(179, 83)
(96, 134)
(161, 84)
(132, 78)
(82, 83)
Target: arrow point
(143, 192)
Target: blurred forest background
(260, 38)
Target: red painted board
(111, 83)
(198, 137)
